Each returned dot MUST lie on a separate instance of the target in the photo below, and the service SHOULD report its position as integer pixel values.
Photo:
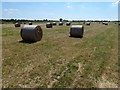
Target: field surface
(60, 61)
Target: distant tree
(45, 20)
(65, 20)
(60, 19)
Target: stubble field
(60, 61)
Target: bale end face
(31, 33)
(76, 31)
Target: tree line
(46, 20)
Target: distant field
(60, 61)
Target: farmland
(60, 61)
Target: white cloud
(115, 3)
(68, 6)
(10, 10)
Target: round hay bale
(54, 23)
(76, 31)
(30, 23)
(105, 23)
(68, 23)
(49, 25)
(17, 24)
(60, 23)
(31, 33)
(88, 23)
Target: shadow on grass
(29, 42)
(76, 36)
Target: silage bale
(54, 23)
(60, 23)
(17, 25)
(76, 31)
(49, 25)
(31, 33)
(87, 23)
(68, 23)
(30, 23)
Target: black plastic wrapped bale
(68, 23)
(49, 25)
(30, 23)
(88, 23)
(54, 23)
(17, 24)
(76, 31)
(31, 33)
(60, 23)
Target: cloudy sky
(56, 10)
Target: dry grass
(59, 60)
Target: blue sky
(57, 10)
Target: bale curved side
(60, 23)
(30, 23)
(68, 23)
(88, 23)
(54, 23)
(76, 31)
(31, 33)
(49, 25)
(17, 25)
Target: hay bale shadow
(76, 36)
(29, 42)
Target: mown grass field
(60, 61)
